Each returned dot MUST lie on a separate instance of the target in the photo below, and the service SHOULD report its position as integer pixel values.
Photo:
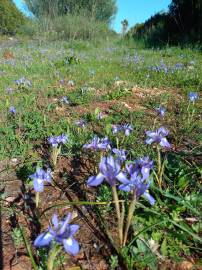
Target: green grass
(40, 114)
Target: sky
(135, 11)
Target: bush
(10, 17)
(68, 27)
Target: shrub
(10, 17)
(67, 27)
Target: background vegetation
(10, 17)
(182, 24)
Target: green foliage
(17, 237)
(67, 27)
(10, 17)
(113, 262)
(101, 10)
(172, 27)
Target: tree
(102, 10)
(181, 24)
(10, 17)
(187, 15)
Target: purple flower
(193, 96)
(100, 116)
(158, 136)
(54, 141)
(65, 100)
(12, 110)
(126, 127)
(39, 177)
(141, 166)
(138, 185)
(61, 232)
(110, 170)
(116, 128)
(161, 110)
(62, 139)
(62, 81)
(98, 144)
(120, 153)
(80, 123)
(22, 81)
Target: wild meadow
(100, 155)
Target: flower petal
(55, 221)
(151, 133)
(95, 180)
(149, 198)
(149, 141)
(73, 229)
(65, 224)
(126, 188)
(38, 185)
(165, 143)
(163, 131)
(43, 239)
(71, 246)
(122, 178)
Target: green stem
(159, 159)
(123, 140)
(159, 167)
(122, 221)
(161, 173)
(117, 142)
(54, 156)
(37, 199)
(28, 248)
(52, 256)
(116, 201)
(188, 110)
(129, 219)
(118, 212)
(154, 122)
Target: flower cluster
(142, 166)
(54, 141)
(23, 82)
(133, 178)
(127, 128)
(162, 67)
(98, 144)
(60, 232)
(134, 59)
